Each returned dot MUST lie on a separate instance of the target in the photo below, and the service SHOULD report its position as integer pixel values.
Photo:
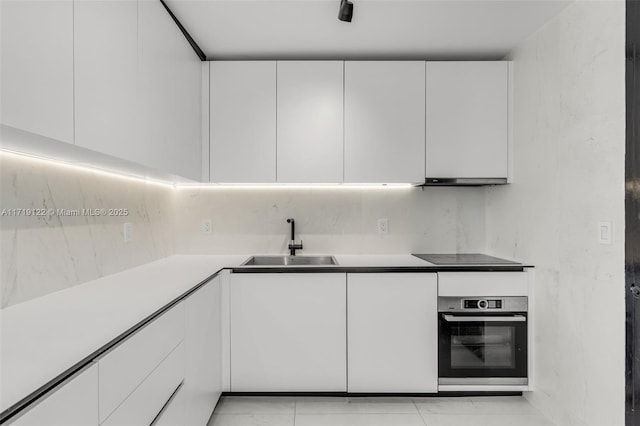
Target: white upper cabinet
(37, 67)
(310, 121)
(243, 121)
(106, 63)
(169, 94)
(467, 119)
(384, 121)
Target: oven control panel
(482, 304)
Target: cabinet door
(169, 94)
(467, 119)
(384, 122)
(243, 121)
(288, 332)
(74, 403)
(106, 64)
(37, 67)
(203, 340)
(393, 332)
(310, 114)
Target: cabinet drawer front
(462, 284)
(174, 412)
(74, 403)
(125, 367)
(147, 401)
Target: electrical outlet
(383, 226)
(207, 226)
(604, 232)
(128, 232)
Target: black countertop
(457, 259)
(434, 262)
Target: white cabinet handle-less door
(467, 119)
(310, 116)
(203, 353)
(384, 122)
(105, 67)
(37, 67)
(393, 332)
(169, 94)
(243, 121)
(288, 332)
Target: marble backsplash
(330, 221)
(52, 249)
(58, 245)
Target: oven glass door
(482, 345)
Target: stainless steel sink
(290, 261)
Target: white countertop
(44, 337)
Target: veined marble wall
(50, 250)
(569, 144)
(330, 221)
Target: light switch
(604, 232)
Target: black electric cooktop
(464, 259)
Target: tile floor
(334, 411)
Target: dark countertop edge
(25, 402)
(374, 269)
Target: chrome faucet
(293, 246)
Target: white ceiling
(381, 29)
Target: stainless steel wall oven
(482, 341)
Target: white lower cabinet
(174, 412)
(147, 400)
(74, 403)
(288, 332)
(203, 374)
(169, 373)
(127, 365)
(393, 332)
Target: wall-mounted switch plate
(604, 232)
(383, 226)
(128, 232)
(207, 226)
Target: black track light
(346, 11)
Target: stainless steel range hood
(463, 181)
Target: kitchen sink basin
(290, 261)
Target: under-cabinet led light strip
(86, 168)
(207, 186)
(294, 186)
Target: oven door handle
(479, 318)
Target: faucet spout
(293, 246)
